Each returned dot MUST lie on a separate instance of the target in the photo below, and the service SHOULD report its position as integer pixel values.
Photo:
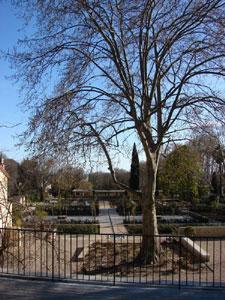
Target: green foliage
(128, 206)
(40, 213)
(17, 213)
(203, 190)
(70, 210)
(137, 229)
(215, 204)
(169, 209)
(189, 231)
(180, 173)
(215, 182)
(134, 170)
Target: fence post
(114, 259)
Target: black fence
(113, 258)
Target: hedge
(137, 229)
(70, 211)
(78, 228)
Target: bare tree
(122, 67)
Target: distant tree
(219, 156)
(180, 173)
(134, 170)
(215, 182)
(103, 180)
(205, 144)
(85, 185)
(34, 176)
(65, 179)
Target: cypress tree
(134, 170)
(215, 183)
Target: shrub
(137, 229)
(70, 210)
(166, 229)
(189, 231)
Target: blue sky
(11, 114)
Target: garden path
(109, 220)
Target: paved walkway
(109, 220)
(13, 289)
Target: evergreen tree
(215, 182)
(134, 170)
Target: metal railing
(112, 258)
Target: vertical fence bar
(70, 256)
(114, 259)
(207, 246)
(159, 260)
(186, 266)
(7, 252)
(213, 261)
(220, 262)
(13, 252)
(107, 256)
(18, 251)
(77, 256)
(95, 255)
(127, 258)
(64, 258)
(59, 255)
(83, 258)
(46, 253)
(89, 256)
(29, 252)
(193, 262)
(173, 269)
(35, 253)
(41, 254)
(179, 261)
(134, 255)
(53, 256)
(24, 252)
(200, 263)
(140, 261)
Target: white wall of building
(5, 205)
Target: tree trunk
(150, 241)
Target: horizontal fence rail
(180, 261)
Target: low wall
(206, 231)
(195, 249)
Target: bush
(189, 231)
(169, 209)
(137, 229)
(166, 229)
(40, 213)
(70, 210)
(78, 228)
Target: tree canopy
(180, 173)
